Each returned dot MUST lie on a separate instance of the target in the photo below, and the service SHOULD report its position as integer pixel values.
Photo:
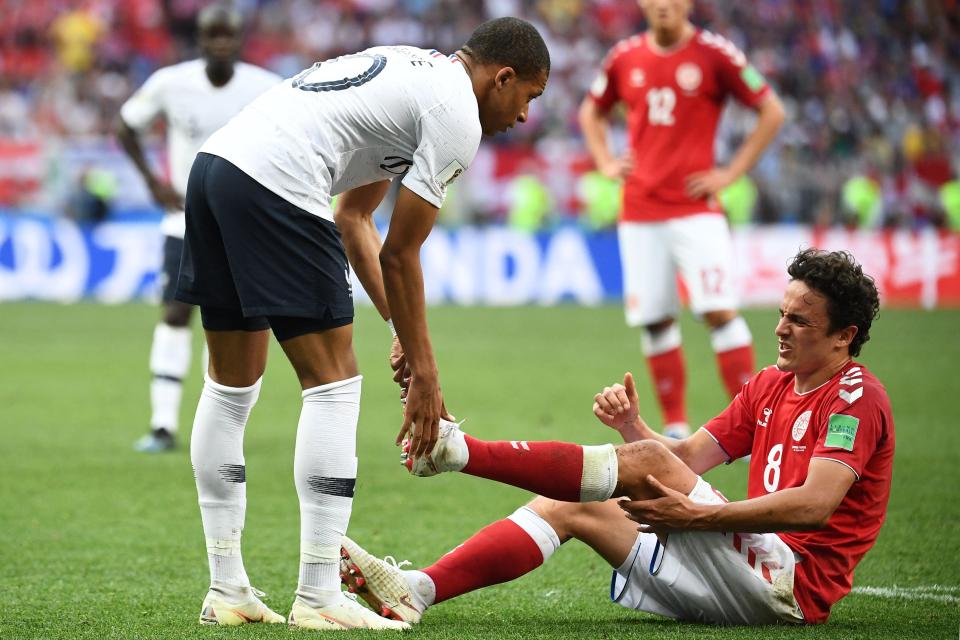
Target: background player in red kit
(674, 80)
(820, 429)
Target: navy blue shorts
(249, 252)
(172, 253)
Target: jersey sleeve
(603, 89)
(145, 104)
(737, 76)
(449, 138)
(733, 428)
(854, 425)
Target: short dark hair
(852, 297)
(511, 42)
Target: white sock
(169, 363)
(600, 469)
(538, 529)
(216, 451)
(733, 335)
(655, 343)
(422, 588)
(325, 472)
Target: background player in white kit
(195, 98)
(263, 251)
(674, 80)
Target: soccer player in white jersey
(265, 250)
(821, 433)
(195, 98)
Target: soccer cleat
(219, 608)
(340, 616)
(449, 454)
(677, 430)
(380, 583)
(157, 441)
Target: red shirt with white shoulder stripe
(674, 100)
(848, 420)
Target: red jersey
(848, 420)
(674, 101)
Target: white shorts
(720, 578)
(651, 253)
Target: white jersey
(355, 120)
(193, 109)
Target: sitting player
(820, 429)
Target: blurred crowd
(872, 91)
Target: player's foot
(345, 613)
(449, 454)
(381, 583)
(677, 430)
(231, 607)
(157, 441)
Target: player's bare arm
(361, 240)
(413, 218)
(163, 194)
(594, 125)
(806, 507)
(770, 117)
(618, 407)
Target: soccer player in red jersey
(821, 433)
(674, 80)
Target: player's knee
(563, 517)
(636, 460)
(658, 327)
(177, 314)
(717, 319)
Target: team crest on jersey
(767, 412)
(800, 425)
(637, 78)
(689, 76)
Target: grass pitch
(99, 542)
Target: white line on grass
(935, 592)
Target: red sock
(669, 379)
(497, 553)
(736, 367)
(549, 469)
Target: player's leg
(652, 303)
(559, 470)
(169, 357)
(704, 251)
(238, 350)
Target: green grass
(98, 542)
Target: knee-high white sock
(169, 363)
(216, 451)
(325, 472)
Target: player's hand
(706, 184)
(398, 363)
(668, 510)
(422, 411)
(165, 196)
(618, 406)
(617, 168)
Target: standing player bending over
(195, 98)
(821, 433)
(674, 80)
(263, 253)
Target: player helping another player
(821, 432)
(264, 250)
(674, 80)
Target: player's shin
(665, 361)
(733, 345)
(325, 471)
(216, 451)
(500, 552)
(169, 363)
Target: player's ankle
(316, 597)
(422, 588)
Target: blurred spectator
(871, 88)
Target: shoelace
(396, 565)
(256, 592)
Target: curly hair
(511, 42)
(852, 297)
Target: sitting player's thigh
(703, 249)
(706, 576)
(649, 278)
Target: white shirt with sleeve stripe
(193, 108)
(358, 119)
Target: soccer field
(99, 542)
